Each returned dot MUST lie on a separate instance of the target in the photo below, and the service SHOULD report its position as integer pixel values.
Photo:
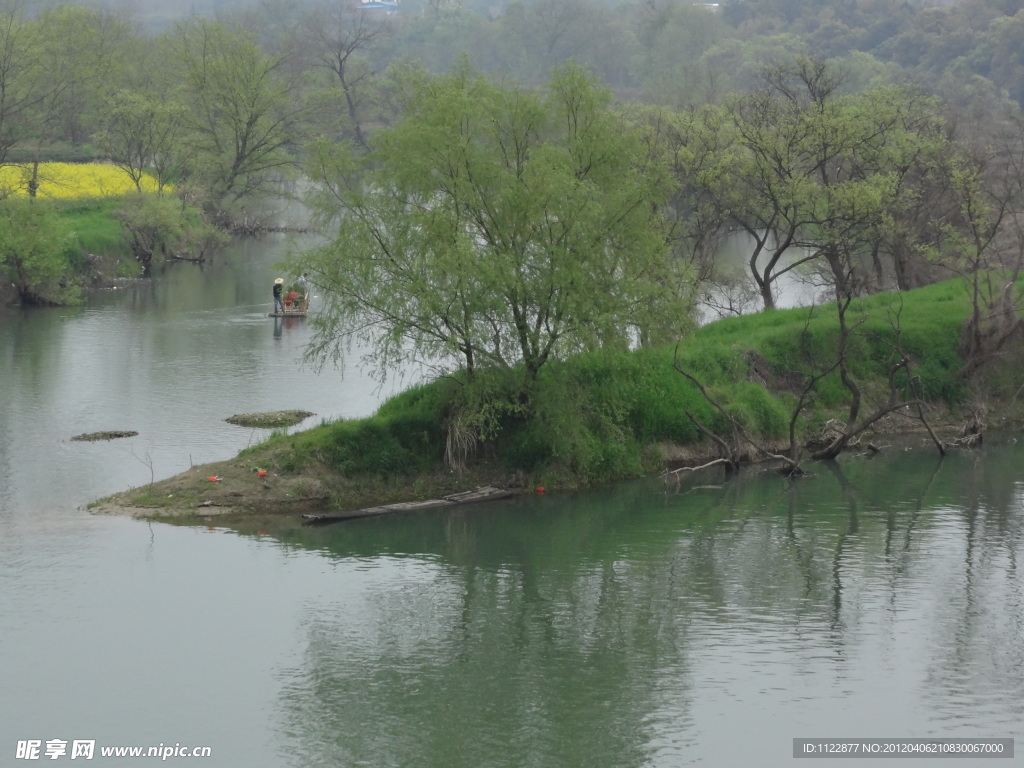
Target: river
(636, 625)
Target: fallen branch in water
(694, 469)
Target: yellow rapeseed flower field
(71, 181)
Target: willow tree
(494, 226)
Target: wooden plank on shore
(481, 493)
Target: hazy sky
(149, 12)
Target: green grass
(95, 226)
(404, 437)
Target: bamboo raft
(295, 309)
(482, 493)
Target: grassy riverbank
(599, 417)
(87, 226)
(98, 232)
(51, 249)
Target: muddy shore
(239, 488)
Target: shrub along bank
(601, 416)
(52, 249)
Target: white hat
(279, 281)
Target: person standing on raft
(278, 303)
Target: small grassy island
(269, 419)
(604, 416)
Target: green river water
(635, 625)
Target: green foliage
(759, 411)
(374, 446)
(238, 118)
(600, 415)
(495, 226)
(95, 226)
(224, 107)
(404, 437)
(142, 134)
(37, 252)
(78, 55)
(816, 175)
(929, 322)
(404, 444)
(165, 226)
(676, 37)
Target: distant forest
(674, 53)
(243, 86)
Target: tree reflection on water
(613, 627)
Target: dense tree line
(229, 100)
(871, 179)
(665, 52)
